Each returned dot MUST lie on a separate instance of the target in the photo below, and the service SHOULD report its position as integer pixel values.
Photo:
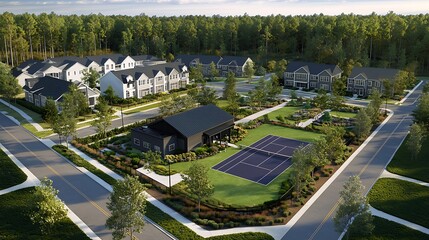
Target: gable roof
(101, 59)
(199, 119)
(27, 63)
(313, 68)
(226, 60)
(203, 59)
(375, 73)
(48, 86)
(149, 71)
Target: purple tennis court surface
(262, 161)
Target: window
(324, 79)
(377, 84)
(312, 84)
(146, 145)
(68, 73)
(74, 72)
(289, 75)
(350, 80)
(313, 77)
(301, 76)
(137, 141)
(157, 148)
(359, 82)
(111, 66)
(107, 67)
(370, 83)
(172, 147)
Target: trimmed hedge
(76, 159)
(29, 105)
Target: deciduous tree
(49, 210)
(50, 111)
(127, 204)
(197, 182)
(103, 118)
(249, 70)
(415, 139)
(353, 207)
(91, 77)
(9, 86)
(421, 113)
(214, 72)
(362, 125)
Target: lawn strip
(17, 225)
(143, 108)
(10, 174)
(80, 162)
(418, 168)
(402, 199)
(387, 230)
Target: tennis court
(262, 161)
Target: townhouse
(363, 80)
(308, 75)
(143, 80)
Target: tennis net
(262, 151)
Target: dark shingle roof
(199, 119)
(227, 60)
(203, 59)
(15, 72)
(375, 73)
(101, 59)
(149, 71)
(313, 68)
(49, 86)
(27, 63)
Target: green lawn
(222, 103)
(234, 190)
(343, 114)
(284, 112)
(403, 199)
(387, 230)
(17, 225)
(10, 174)
(418, 168)
(143, 108)
(35, 116)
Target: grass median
(387, 230)
(10, 174)
(402, 163)
(15, 222)
(402, 199)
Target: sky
(215, 7)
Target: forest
(390, 40)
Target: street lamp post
(122, 117)
(169, 175)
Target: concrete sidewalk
(260, 113)
(24, 115)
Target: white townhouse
(141, 81)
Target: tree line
(389, 40)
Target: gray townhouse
(363, 80)
(308, 75)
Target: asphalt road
(317, 222)
(86, 198)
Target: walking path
(24, 115)
(34, 181)
(311, 120)
(260, 113)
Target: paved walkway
(260, 113)
(34, 181)
(164, 180)
(24, 115)
(311, 120)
